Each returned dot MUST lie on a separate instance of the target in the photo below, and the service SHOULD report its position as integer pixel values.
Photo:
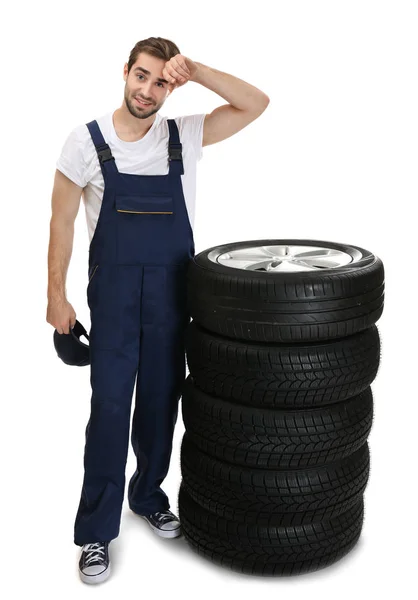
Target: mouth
(140, 103)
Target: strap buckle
(104, 153)
(174, 152)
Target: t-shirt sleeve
(191, 131)
(71, 161)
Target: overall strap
(175, 159)
(106, 160)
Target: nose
(145, 91)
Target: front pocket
(145, 205)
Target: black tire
(282, 375)
(294, 497)
(268, 438)
(273, 550)
(268, 306)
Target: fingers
(173, 76)
(66, 328)
(176, 72)
(61, 315)
(167, 74)
(181, 68)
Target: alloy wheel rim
(284, 258)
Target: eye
(159, 82)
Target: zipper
(144, 212)
(94, 270)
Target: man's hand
(179, 70)
(61, 315)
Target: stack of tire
(277, 408)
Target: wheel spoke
(283, 258)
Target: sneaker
(94, 564)
(164, 523)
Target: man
(136, 170)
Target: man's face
(145, 86)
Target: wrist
(199, 72)
(56, 295)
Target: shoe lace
(162, 517)
(94, 551)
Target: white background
(334, 157)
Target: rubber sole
(161, 532)
(92, 579)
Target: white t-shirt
(147, 156)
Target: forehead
(149, 65)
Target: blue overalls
(136, 293)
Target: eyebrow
(148, 73)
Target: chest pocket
(144, 205)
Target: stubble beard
(137, 111)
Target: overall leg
(114, 349)
(161, 374)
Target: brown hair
(155, 46)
